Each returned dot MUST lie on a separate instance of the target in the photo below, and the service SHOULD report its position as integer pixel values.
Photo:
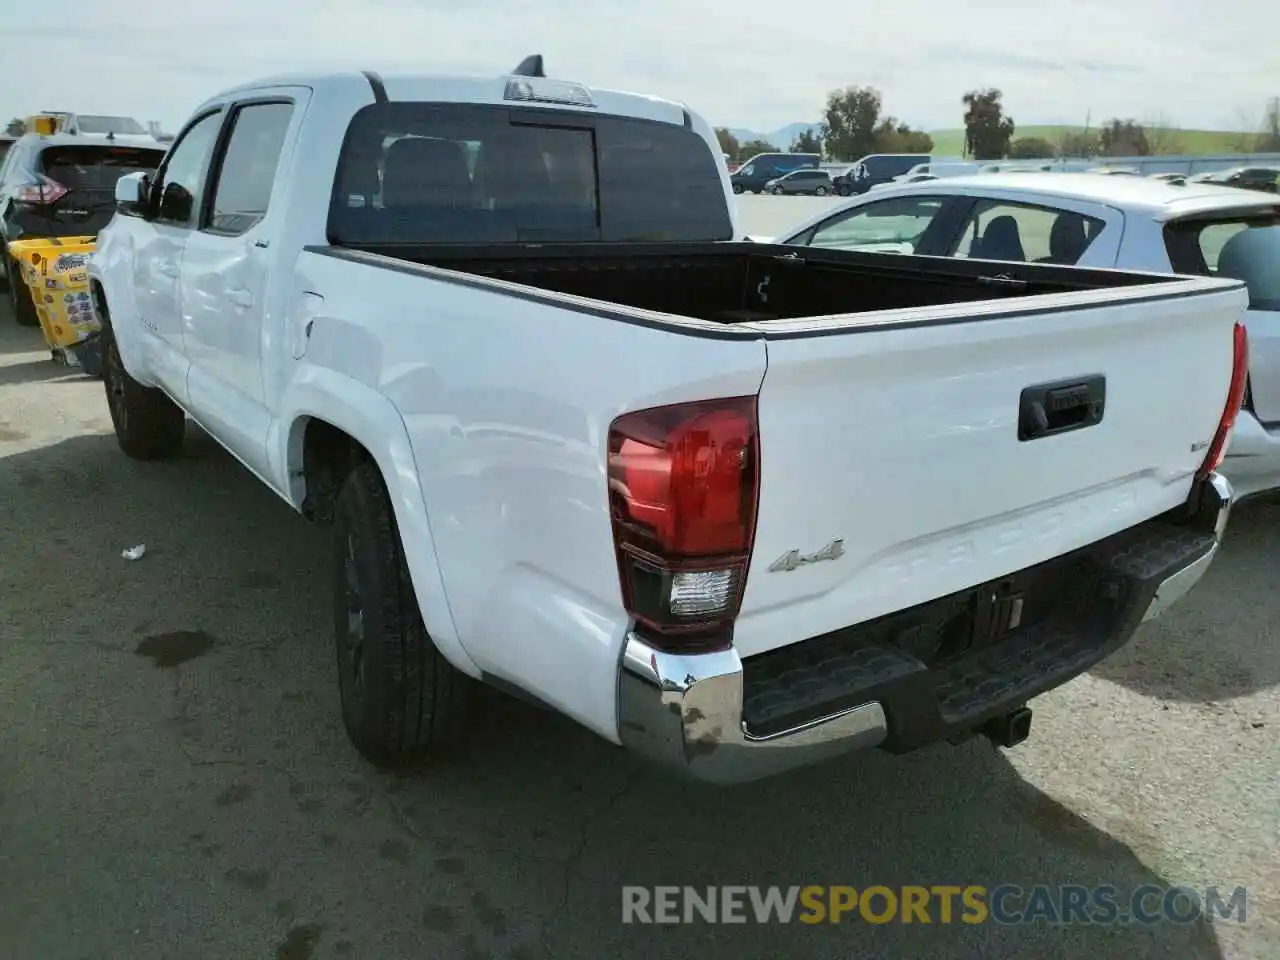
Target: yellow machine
(54, 270)
(44, 124)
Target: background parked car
(1122, 222)
(1245, 178)
(60, 185)
(753, 175)
(876, 168)
(815, 182)
(938, 168)
(905, 178)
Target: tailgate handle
(1048, 409)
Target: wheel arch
(334, 422)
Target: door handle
(168, 268)
(1048, 409)
(240, 297)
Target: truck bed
(742, 282)
(899, 402)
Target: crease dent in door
(302, 318)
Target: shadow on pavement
(36, 371)
(16, 339)
(213, 798)
(1189, 656)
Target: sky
(740, 63)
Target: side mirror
(131, 194)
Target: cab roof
(444, 88)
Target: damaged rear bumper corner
(1212, 512)
(684, 711)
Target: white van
(936, 169)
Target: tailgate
(898, 434)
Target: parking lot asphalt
(176, 783)
(768, 216)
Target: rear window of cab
(473, 173)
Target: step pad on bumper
(945, 667)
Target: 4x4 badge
(794, 559)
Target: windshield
(95, 124)
(460, 173)
(1243, 248)
(96, 168)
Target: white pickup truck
(733, 506)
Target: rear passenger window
(248, 169)
(1019, 233)
(1242, 248)
(888, 226)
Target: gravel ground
(176, 783)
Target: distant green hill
(951, 142)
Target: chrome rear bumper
(686, 711)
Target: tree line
(854, 124)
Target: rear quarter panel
(507, 406)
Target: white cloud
(743, 63)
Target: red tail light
(42, 192)
(1235, 397)
(683, 486)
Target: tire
(820, 191)
(24, 308)
(738, 188)
(148, 425)
(756, 192)
(402, 702)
